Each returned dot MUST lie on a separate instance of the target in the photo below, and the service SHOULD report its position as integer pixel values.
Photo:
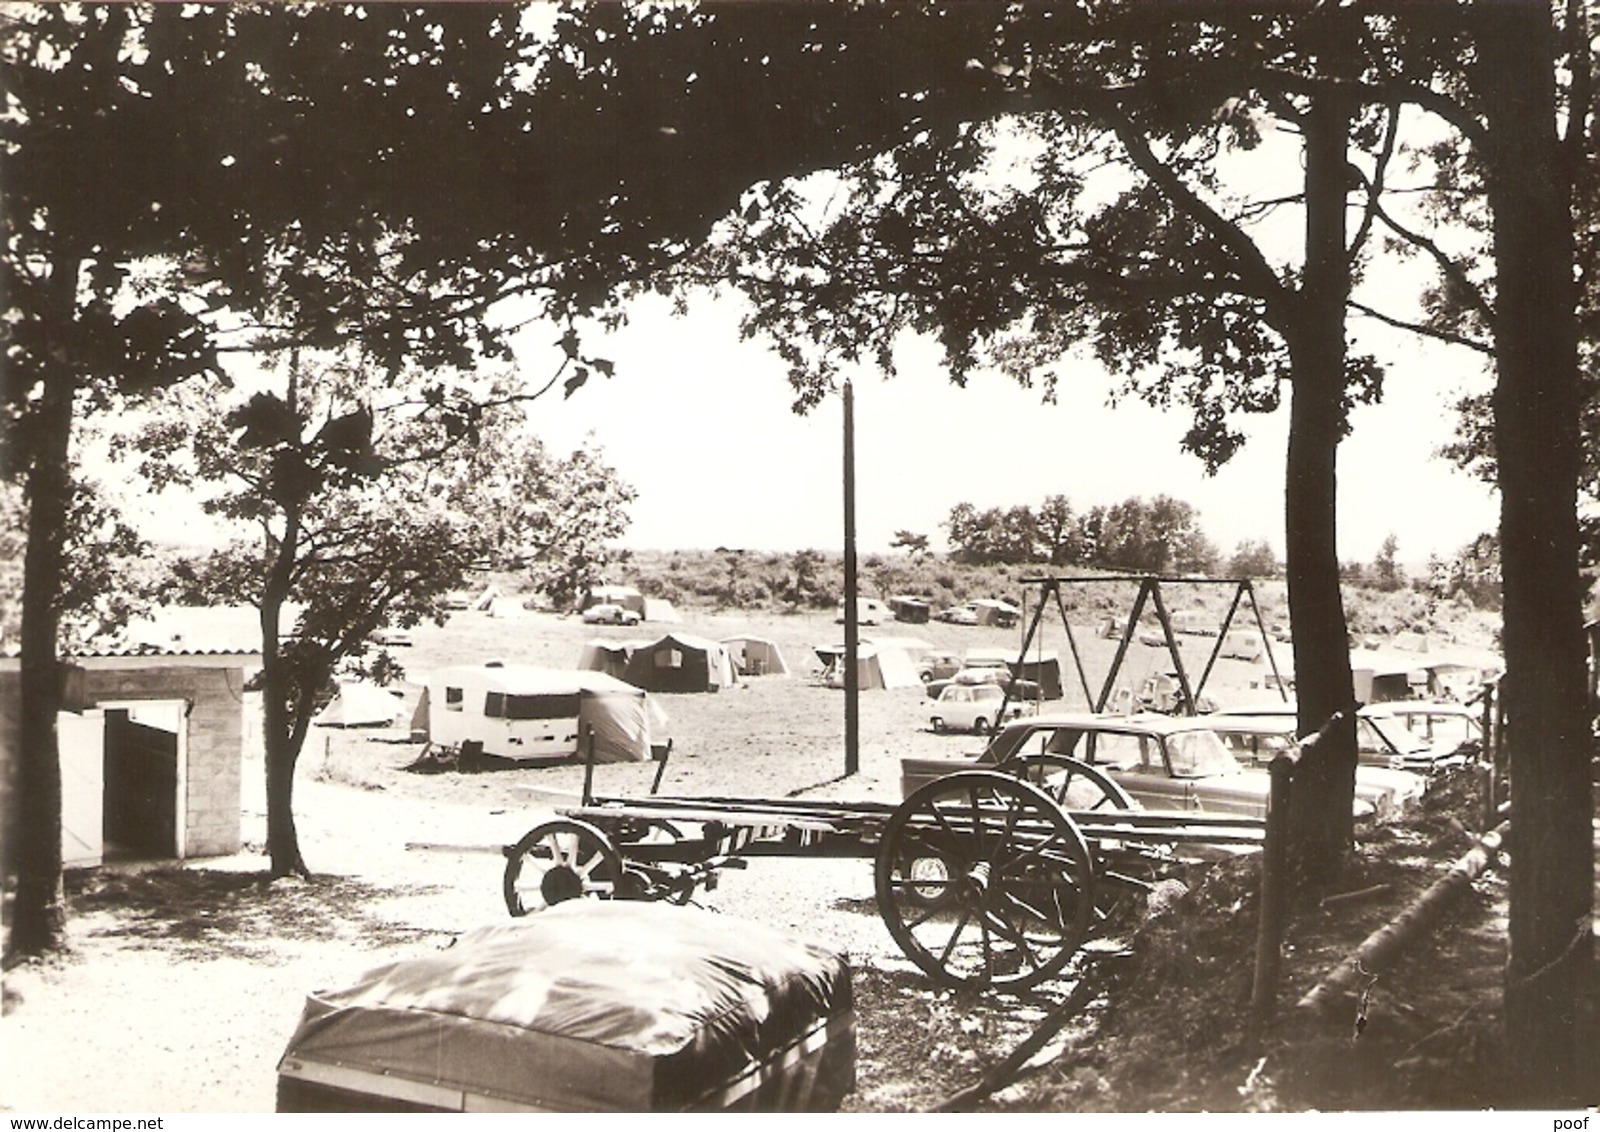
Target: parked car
(1446, 735)
(959, 615)
(939, 666)
(973, 707)
(1414, 736)
(1164, 762)
(996, 672)
(607, 613)
(1255, 740)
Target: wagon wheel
(558, 861)
(680, 890)
(1071, 783)
(984, 881)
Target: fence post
(1275, 878)
(1274, 884)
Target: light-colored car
(959, 615)
(1426, 736)
(607, 613)
(972, 707)
(1415, 736)
(1256, 740)
(1164, 762)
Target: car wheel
(980, 725)
(938, 725)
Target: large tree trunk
(1324, 787)
(282, 731)
(1549, 989)
(39, 915)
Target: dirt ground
(190, 979)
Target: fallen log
(1003, 1072)
(1380, 949)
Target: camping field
(766, 736)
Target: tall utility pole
(852, 673)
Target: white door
(82, 739)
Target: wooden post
(1274, 886)
(852, 632)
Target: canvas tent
(359, 704)
(913, 610)
(626, 596)
(1044, 669)
(681, 662)
(608, 656)
(999, 613)
(522, 712)
(756, 656)
(888, 668)
(660, 609)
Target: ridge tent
(660, 609)
(359, 704)
(1044, 669)
(521, 712)
(681, 662)
(890, 668)
(755, 656)
(485, 601)
(608, 656)
(998, 613)
(912, 648)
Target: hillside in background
(809, 580)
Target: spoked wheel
(558, 861)
(1070, 783)
(984, 881)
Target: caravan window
(452, 699)
(498, 705)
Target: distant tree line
(1158, 536)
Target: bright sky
(700, 424)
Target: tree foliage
(369, 501)
(1161, 535)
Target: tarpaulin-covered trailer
(590, 1006)
(522, 712)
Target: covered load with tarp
(567, 1012)
(681, 662)
(518, 711)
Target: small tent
(755, 656)
(1001, 614)
(608, 656)
(889, 668)
(525, 713)
(359, 704)
(681, 662)
(912, 648)
(484, 602)
(1044, 669)
(660, 609)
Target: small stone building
(152, 742)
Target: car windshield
(1386, 736)
(1199, 754)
